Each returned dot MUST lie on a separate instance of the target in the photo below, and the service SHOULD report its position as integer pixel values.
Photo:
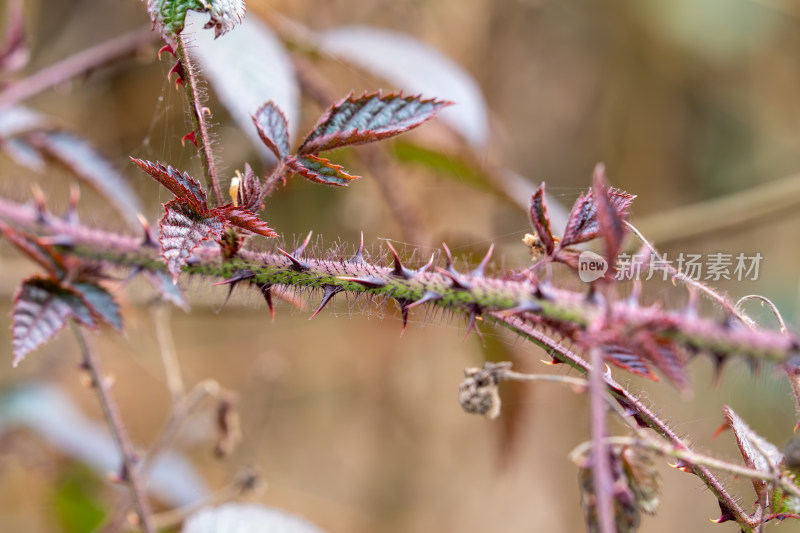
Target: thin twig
(77, 64)
(130, 470)
(601, 466)
(199, 114)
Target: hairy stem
(601, 466)
(199, 113)
(130, 470)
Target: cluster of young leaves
(68, 290)
(169, 16)
(353, 120)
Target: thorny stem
(130, 470)
(196, 99)
(77, 64)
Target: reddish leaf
(42, 307)
(540, 220)
(43, 254)
(368, 118)
(320, 170)
(611, 223)
(100, 302)
(629, 360)
(665, 356)
(273, 129)
(183, 186)
(244, 219)
(182, 229)
(248, 194)
(583, 224)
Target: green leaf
(320, 170)
(169, 16)
(368, 118)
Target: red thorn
(551, 362)
(369, 282)
(177, 68)
(302, 248)
(455, 277)
(179, 81)
(478, 272)
(166, 48)
(266, 290)
(204, 111)
(399, 270)
(448, 255)
(428, 265)
(40, 201)
(428, 296)
(238, 275)
(725, 425)
(358, 257)
(148, 239)
(403, 304)
(189, 137)
(330, 292)
(71, 215)
(296, 264)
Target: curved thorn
(478, 272)
(148, 239)
(238, 275)
(302, 248)
(166, 48)
(358, 257)
(71, 215)
(399, 270)
(296, 264)
(428, 265)
(191, 136)
(403, 304)
(428, 296)
(369, 282)
(266, 291)
(449, 257)
(40, 202)
(474, 314)
(330, 292)
(454, 276)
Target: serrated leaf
(248, 194)
(244, 219)
(368, 118)
(183, 186)
(100, 302)
(629, 360)
(181, 230)
(248, 67)
(611, 223)
(758, 452)
(42, 307)
(169, 16)
(411, 64)
(320, 170)
(246, 518)
(169, 291)
(583, 224)
(273, 129)
(43, 254)
(540, 220)
(666, 357)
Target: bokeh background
(352, 426)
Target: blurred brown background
(352, 426)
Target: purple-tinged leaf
(368, 118)
(77, 155)
(758, 452)
(182, 229)
(43, 254)
(629, 360)
(42, 307)
(612, 226)
(273, 129)
(320, 170)
(248, 191)
(540, 220)
(583, 225)
(169, 291)
(183, 186)
(100, 302)
(244, 219)
(666, 357)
